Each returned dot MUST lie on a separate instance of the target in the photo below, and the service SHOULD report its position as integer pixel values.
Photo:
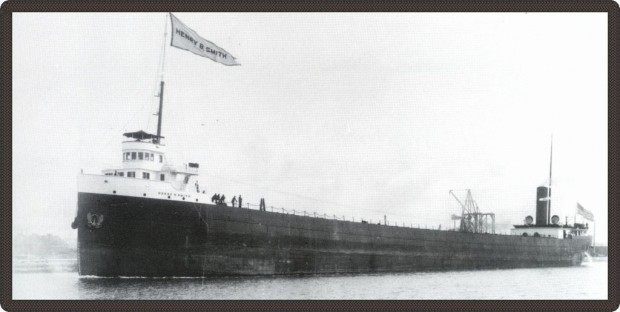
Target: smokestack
(543, 202)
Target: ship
(149, 218)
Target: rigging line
(315, 199)
(148, 124)
(311, 213)
(277, 191)
(107, 144)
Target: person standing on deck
(234, 201)
(240, 202)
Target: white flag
(185, 38)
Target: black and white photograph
(310, 156)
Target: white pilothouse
(145, 158)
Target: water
(588, 281)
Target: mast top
(551, 160)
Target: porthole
(183, 198)
(536, 234)
(196, 199)
(144, 194)
(524, 234)
(168, 197)
(113, 192)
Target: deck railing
(313, 214)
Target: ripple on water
(544, 283)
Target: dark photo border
(9, 7)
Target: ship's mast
(161, 104)
(161, 84)
(549, 196)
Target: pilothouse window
(131, 174)
(161, 158)
(133, 155)
(140, 156)
(162, 177)
(146, 175)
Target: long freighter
(148, 218)
(145, 219)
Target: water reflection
(547, 283)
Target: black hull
(151, 237)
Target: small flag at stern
(585, 213)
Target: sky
(358, 115)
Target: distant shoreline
(44, 265)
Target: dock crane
(472, 220)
